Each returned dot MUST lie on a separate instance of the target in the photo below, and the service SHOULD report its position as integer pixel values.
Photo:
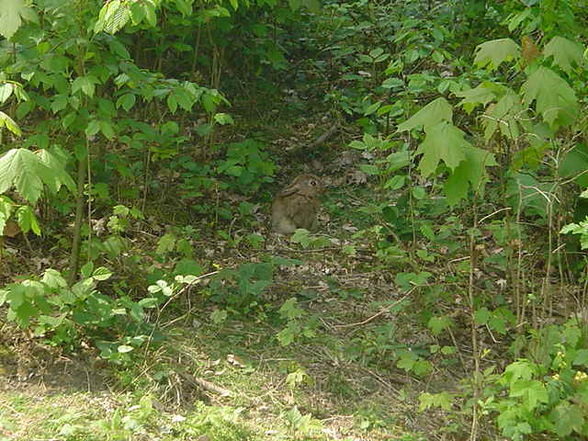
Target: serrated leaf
(113, 16)
(22, 169)
(565, 53)
(56, 166)
(493, 53)
(432, 114)
(554, 99)
(480, 95)
(508, 116)
(470, 173)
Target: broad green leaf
(532, 392)
(22, 169)
(508, 116)
(8, 122)
(113, 16)
(11, 14)
(554, 99)
(443, 400)
(5, 90)
(27, 221)
(470, 173)
(185, 7)
(493, 53)
(55, 160)
(101, 274)
(86, 84)
(430, 115)
(480, 95)
(565, 53)
(126, 101)
(574, 164)
(568, 418)
(443, 142)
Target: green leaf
(126, 101)
(493, 53)
(431, 115)
(568, 418)
(113, 16)
(102, 274)
(565, 53)
(443, 142)
(555, 99)
(507, 115)
(123, 349)
(443, 400)
(471, 172)
(22, 169)
(532, 392)
(55, 161)
(5, 91)
(86, 84)
(480, 95)
(11, 14)
(27, 221)
(8, 122)
(439, 324)
(166, 244)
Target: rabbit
(296, 206)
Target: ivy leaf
(565, 53)
(430, 115)
(495, 52)
(443, 142)
(11, 14)
(471, 172)
(555, 99)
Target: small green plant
(301, 426)
(547, 394)
(247, 166)
(298, 323)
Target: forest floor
(233, 380)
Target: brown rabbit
(296, 206)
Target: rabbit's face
(305, 184)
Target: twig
(377, 314)
(205, 384)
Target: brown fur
(296, 206)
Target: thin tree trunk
(74, 257)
